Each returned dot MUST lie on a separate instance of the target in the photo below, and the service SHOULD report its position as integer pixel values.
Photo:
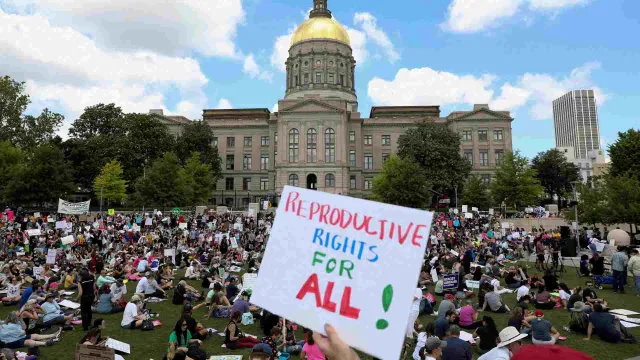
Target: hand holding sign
(339, 254)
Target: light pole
(456, 196)
(575, 207)
(101, 201)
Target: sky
(184, 56)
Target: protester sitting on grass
(53, 314)
(493, 301)
(468, 317)
(92, 337)
(220, 306)
(13, 291)
(234, 338)
(446, 305)
(104, 279)
(118, 292)
(607, 327)
(432, 350)
(543, 299)
(576, 295)
(106, 303)
(132, 317)
(181, 336)
(579, 318)
(198, 331)
(565, 294)
(13, 334)
(542, 331)
(232, 289)
(70, 279)
(29, 314)
(590, 298)
(584, 265)
(429, 332)
(509, 345)
(273, 341)
(518, 321)
(442, 323)
(487, 333)
(310, 350)
(456, 348)
(149, 287)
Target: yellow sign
(111, 212)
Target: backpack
(147, 325)
(247, 318)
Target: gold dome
(320, 28)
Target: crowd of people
(96, 257)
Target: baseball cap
(49, 295)
(147, 274)
(188, 307)
(539, 313)
(434, 343)
(535, 352)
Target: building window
(318, 78)
(330, 181)
(297, 82)
(368, 184)
(467, 135)
(330, 145)
(246, 183)
(275, 137)
(352, 158)
(484, 158)
(386, 139)
(385, 157)
(294, 141)
(312, 145)
(264, 141)
(486, 179)
(342, 80)
(264, 183)
(214, 142)
(264, 162)
(482, 135)
(352, 136)
(497, 135)
(231, 142)
(368, 161)
(368, 139)
(228, 182)
(230, 162)
(293, 180)
(468, 155)
(306, 78)
(247, 141)
(352, 182)
(246, 162)
(330, 80)
(499, 156)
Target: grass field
(152, 344)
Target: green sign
(176, 211)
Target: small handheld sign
(450, 281)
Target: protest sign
(251, 213)
(504, 225)
(265, 205)
(111, 212)
(51, 219)
(172, 253)
(515, 235)
(36, 215)
(490, 211)
(234, 243)
(342, 253)
(34, 232)
(450, 281)
(249, 281)
(473, 284)
(455, 211)
(468, 215)
(61, 224)
(65, 207)
(148, 222)
(67, 240)
(69, 227)
(90, 352)
(237, 226)
(182, 225)
(475, 209)
(51, 256)
(464, 208)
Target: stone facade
(319, 140)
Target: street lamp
(575, 206)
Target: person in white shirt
(429, 332)
(149, 287)
(13, 290)
(413, 315)
(118, 291)
(497, 288)
(131, 318)
(509, 345)
(432, 349)
(522, 291)
(192, 273)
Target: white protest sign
(455, 211)
(468, 215)
(67, 240)
(234, 243)
(65, 207)
(455, 253)
(36, 215)
(265, 205)
(342, 253)
(504, 225)
(61, 224)
(473, 284)
(464, 208)
(182, 225)
(252, 213)
(51, 219)
(237, 226)
(172, 253)
(490, 211)
(148, 222)
(34, 232)
(69, 227)
(474, 209)
(515, 235)
(51, 256)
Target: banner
(350, 262)
(65, 207)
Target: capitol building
(318, 139)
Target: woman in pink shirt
(468, 317)
(310, 350)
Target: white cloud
(468, 16)
(224, 104)
(358, 44)
(426, 86)
(66, 70)
(369, 24)
(251, 68)
(168, 27)
(280, 52)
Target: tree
(554, 172)
(109, 184)
(10, 167)
(436, 148)
(97, 120)
(197, 136)
(515, 182)
(476, 193)
(623, 199)
(592, 203)
(165, 184)
(625, 154)
(45, 178)
(24, 131)
(200, 179)
(402, 182)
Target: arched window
(330, 180)
(312, 145)
(294, 141)
(330, 145)
(293, 180)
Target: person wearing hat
(432, 350)
(579, 319)
(118, 292)
(53, 314)
(132, 318)
(510, 344)
(542, 331)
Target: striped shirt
(619, 261)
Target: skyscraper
(575, 118)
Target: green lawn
(151, 345)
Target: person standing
(86, 295)
(618, 262)
(633, 268)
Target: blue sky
(516, 55)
